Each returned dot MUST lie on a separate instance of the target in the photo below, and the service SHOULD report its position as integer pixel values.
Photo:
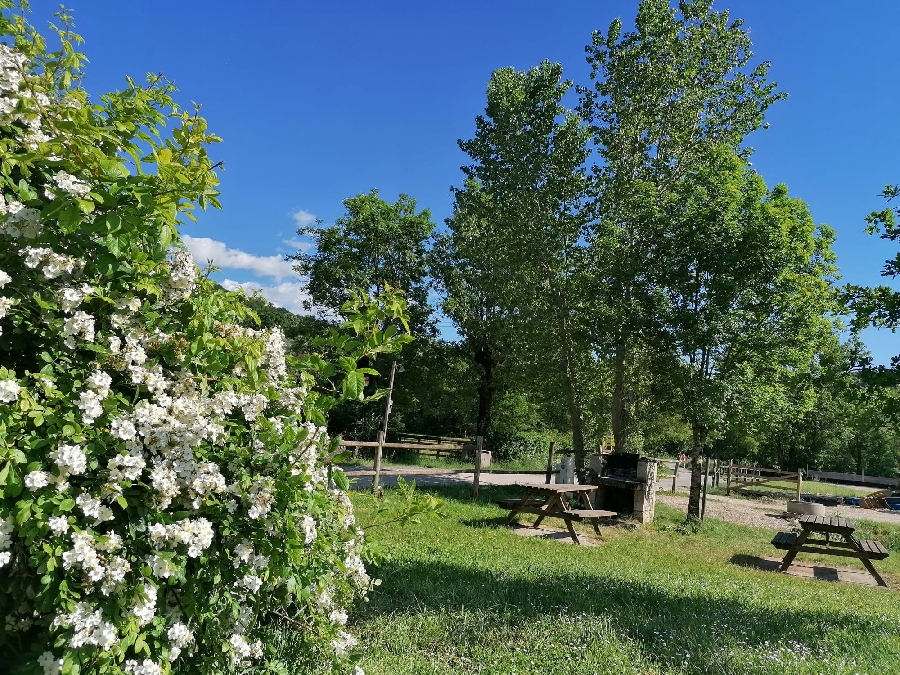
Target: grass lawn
(465, 595)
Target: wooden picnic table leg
(793, 551)
(514, 511)
(572, 532)
(588, 504)
(869, 566)
(548, 506)
(854, 543)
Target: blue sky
(318, 101)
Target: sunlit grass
(465, 594)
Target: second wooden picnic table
(846, 545)
(551, 501)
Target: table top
(826, 523)
(555, 488)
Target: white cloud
(203, 249)
(303, 218)
(298, 244)
(290, 295)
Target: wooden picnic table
(551, 501)
(846, 546)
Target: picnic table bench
(846, 546)
(551, 501)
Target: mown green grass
(465, 594)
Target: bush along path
(164, 503)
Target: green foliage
(373, 246)
(164, 495)
(526, 251)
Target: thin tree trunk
(699, 434)
(485, 358)
(621, 412)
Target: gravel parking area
(767, 513)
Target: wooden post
(799, 482)
(550, 462)
(728, 478)
(705, 482)
(675, 475)
(377, 479)
(479, 442)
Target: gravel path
(767, 513)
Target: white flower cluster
(79, 324)
(90, 400)
(260, 498)
(125, 467)
(20, 220)
(9, 391)
(109, 571)
(7, 525)
(12, 64)
(308, 525)
(70, 460)
(5, 305)
(343, 643)
(50, 664)
(52, 264)
(145, 607)
(180, 636)
(88, 628)
(182, 274)
(197, 535)
(145, 667)
(243, 650)
(355, 567)
(69, 183)
(70, 298)
(92, 507)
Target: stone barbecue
(626, 483)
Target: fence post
(550, 462)
(476, 479)
(675, 475)
(728, 478)
(377, 479)
(799, 482)
(705, 482)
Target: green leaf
(353, 385)
(340, 479)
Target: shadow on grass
(648, 614)
(664, 615)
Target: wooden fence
(749, 480)
(431, 445)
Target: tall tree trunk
(485, 358)
(570, 376)
(621, 411)
(576, 415)
(699, 434)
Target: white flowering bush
(164, 496)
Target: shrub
(163, 494)
(525, 445)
